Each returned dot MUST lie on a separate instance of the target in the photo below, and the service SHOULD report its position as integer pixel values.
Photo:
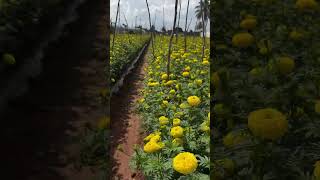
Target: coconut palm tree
(203, 7)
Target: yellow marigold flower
(248, 23)
(185, 163)
(317, 107)
(193, 100)
(263, 50)
(176, 132)
(185, 74)
(267, 123)
(183, 105)
(156, 138)
(233, 139)
(177, 141)
(164, 77)
(163, 120)
(153, 84)
(306, 4)
(285, 65)
(149, 137)
(172, 91)
(296, 35)
(198, 82)
(8, 59)
(265, 46)
(203, 72)
(204, 127)
(165, 103)
(188, 68)
(316, 171)
(173, 107)
(215, 79)
(169, 83)
(255, 72)
(242, 40)
(141, 100)
(152, 146)
(178, 86)
(205, 62)
(178, 114)
(176, 122)
(104, 123)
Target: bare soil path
(40, 129)
(126, 124)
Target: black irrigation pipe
(18, 83)
(117, 86)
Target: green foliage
(126, 48)
(294, 94)
(94, 149)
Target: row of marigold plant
(175, 112)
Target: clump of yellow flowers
(154, 143)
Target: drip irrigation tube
(116, 87)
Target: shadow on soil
(120, 110)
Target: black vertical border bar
(211, 86)
(107, 71)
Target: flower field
(175, 109)
(126, 48)
(265, 77)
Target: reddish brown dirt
(126, 124)
(40, 130)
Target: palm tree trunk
(203, 29)
(127, 27)
(177, 34)
(171, 37)
(185, 29)
(151, 30)
(115, 25)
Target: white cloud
(138, 8)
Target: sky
(133, 8)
